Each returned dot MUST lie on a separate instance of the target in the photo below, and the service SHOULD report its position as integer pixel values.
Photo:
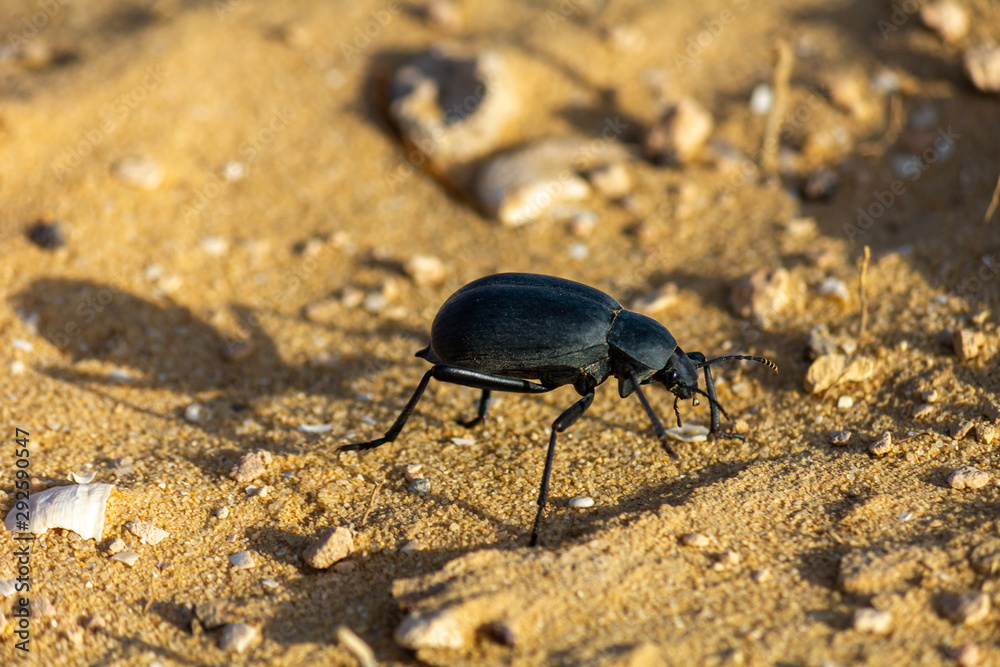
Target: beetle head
(679, 376)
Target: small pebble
(760, 576)
(834, 289)
(46, 235)
(242, 560)
(730, 557)
(412, 471)
(967, 343)
(819, 342)
(316, 428)
(947, 18)
(762, 295)
(965, 608)
(425, 270)
(463, 442)
(612, 180)
(420, 485)
(872, 621)
(221, 513)
(7, 587)
(968, 655)
(960, 429)
(982, 66)
(986, 433)
(146, 532)
(696, 540)
(931, 396)
(139, 172)
(924, 411)
(330, 546)
(127, 557)
(41, 607)
(429, 630)
(214, 613)
(195, 413)
(237, 637)
(94, 623)
(968, 477)
(410, 548)
(250, 466)
(239, 350)
(116, 546)
(821, 185)
(444, 15)
(214, 246)
(269, 583)
(833, 369)
(581, 502)
(882, 445)
(840, 438)
(845, 403)
(680, 134)
(582, 223)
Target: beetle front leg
(661, 432)
(713, 402)
(563, 422)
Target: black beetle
(498, 332)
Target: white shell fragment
(688, 433)
(147, 532)
(316, 428)
(79, 508)
(127, 557)
(82, 479)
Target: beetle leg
(713, 402)
(562, 422)
(454, 375)
(661, 432)
(484, 411)
(677, 412)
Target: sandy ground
(110, 338)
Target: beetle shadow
(161, 344)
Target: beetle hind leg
(563, 422)
(482, 414)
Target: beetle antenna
(711, 399)
(741, 357)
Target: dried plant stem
(371, 503)
(863, 295)
(782, 75)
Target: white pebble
(237, 637)
(195, 413)
(139, 172)
(581, 501)
(696, 540)
(845, 403)
(222, 513)
(761, 100)
(242, 559)
(147, 532)
(873, 621)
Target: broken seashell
(688, 433)
(79, 508)
(82, 479)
